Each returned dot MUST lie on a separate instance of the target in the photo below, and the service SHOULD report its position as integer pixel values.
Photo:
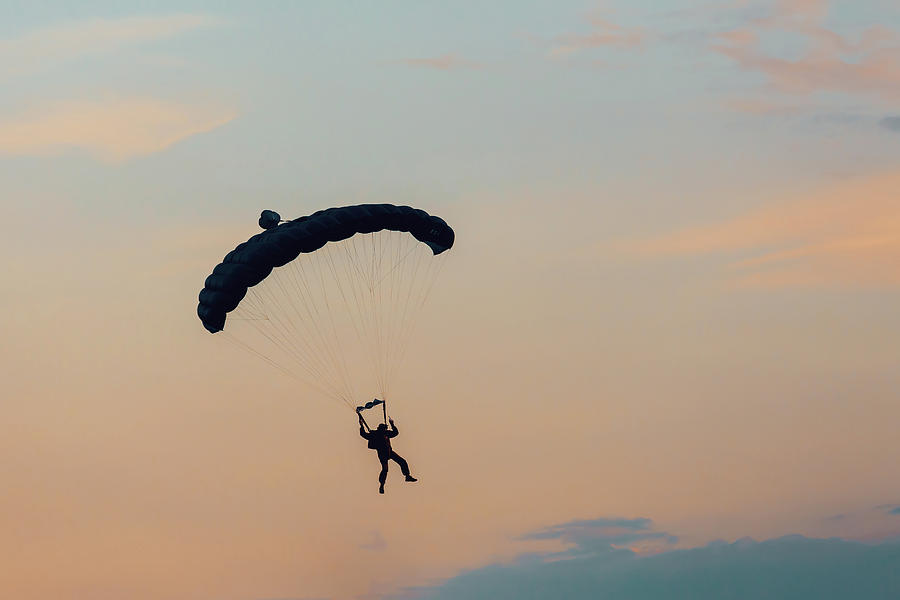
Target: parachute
(330, 298)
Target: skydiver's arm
(394, 432)
(362, 427)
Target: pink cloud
(845, 235)
(831, 62)
(605, 33)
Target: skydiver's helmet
(382, 427)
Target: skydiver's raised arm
(362, 428)
(394, 432)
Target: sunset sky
(663, 354)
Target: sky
(659, 362)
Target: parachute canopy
(307, 294)
(253, 260)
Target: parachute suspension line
(284, 335)
(368, 288)
(281, 331)
(404, 320)
(335, 348)
(363, 260)
(243, 346)
(380, 318)
(334, 273)
(407, 325)
(327, 352)
(404, 250)
(355, 261)
(358, 316)
(394, 284)
(324, 365)
(280, 336)
(388, 284)
(341, 353)
(376, 294)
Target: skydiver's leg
(382, 477)
(404, 467)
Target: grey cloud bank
(787, 568)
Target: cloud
(566, 529)
(891, 123)
(602, 534)
(604, 34)
(61, 43)
(843, 235)
(112, 130)
(788, 568)
(867, 65)
(444, 62)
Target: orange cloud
(112, 130)
(845, 235)
(94, 36)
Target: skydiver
(380, 440)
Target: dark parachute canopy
(303, 285)
(253, 260)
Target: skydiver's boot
(411, 478)
(381, 489)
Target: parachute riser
(372, 404)
(362, 421)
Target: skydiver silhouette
(380, 440)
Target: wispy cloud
(111, 130)
(604, 33)
(867, 65)
(61, 43)
(843, 235)
(565, 530)
(445, 62)
(603, 534)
